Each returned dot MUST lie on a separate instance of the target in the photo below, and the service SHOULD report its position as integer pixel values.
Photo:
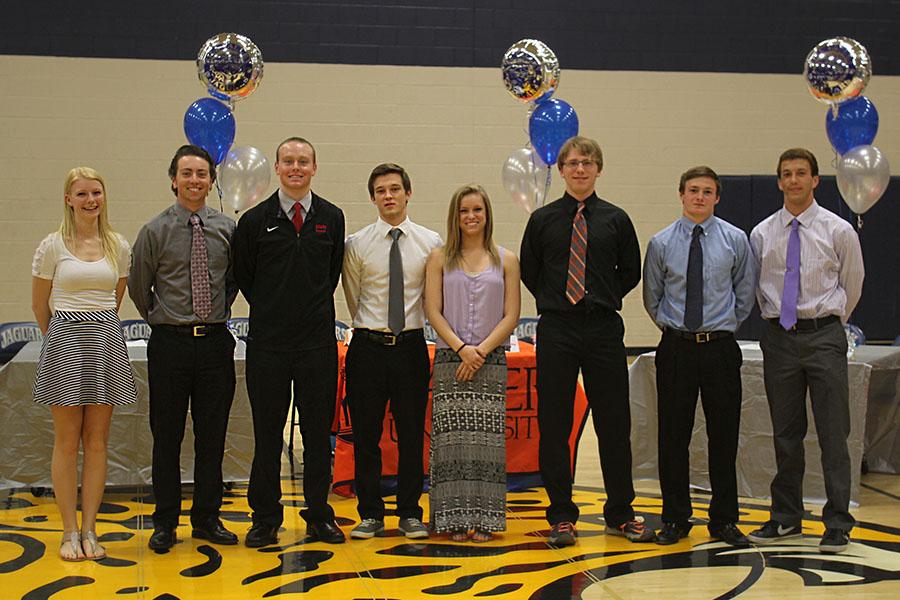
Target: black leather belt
(699, 337)
(389, 339)
(196, 330)
(809, 324)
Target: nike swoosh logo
(270, 229)
(784, 530)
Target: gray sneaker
(367, 529)
(413, 528)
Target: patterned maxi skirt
(84, 361)
(468, 446)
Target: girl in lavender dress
(472, 301)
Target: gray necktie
(396, 310)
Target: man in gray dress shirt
(190, 355)
(811, 275)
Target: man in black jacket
(580, 256)
(288, 253)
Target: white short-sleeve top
(80, 285)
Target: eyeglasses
(587, 163)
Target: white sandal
(73, 539)
(97, 552)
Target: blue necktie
(693, 299)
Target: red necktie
(577, 254)
(298, 217)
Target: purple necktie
(791, 279)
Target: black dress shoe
(261, 535)
(324, 531)
(215, 532)
(163, 538)
(730, 534)
(672, 532)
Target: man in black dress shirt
(580, 256)
(288, 252)
(190, 355)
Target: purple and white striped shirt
(831, 263)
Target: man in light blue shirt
(699, 285)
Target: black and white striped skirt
(84, 361)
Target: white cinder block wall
(447, 126)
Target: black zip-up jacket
(288, 278)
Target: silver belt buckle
(702, 337)
(390, 340)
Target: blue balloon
(551, 124)
(209, 124)
(855, 125)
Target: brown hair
(583, 145)
(701, 171)
(801, 154)
(387, 169)
(453, 247)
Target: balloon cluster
(837, 70)
(530, 71)
(230, 66)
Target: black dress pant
(685, 368)
(376, 373)
(198, 372)
(591, 342)
(270, 377)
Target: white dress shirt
(366, 274)
(831, 263)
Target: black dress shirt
(613, 265)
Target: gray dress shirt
(160, 280)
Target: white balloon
(526, 178)
(244, 177)
(863, 174)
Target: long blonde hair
(453, 247)
(108, 237)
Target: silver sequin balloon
(837, 69)
(530, 70)
(230, 66)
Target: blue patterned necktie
(693, 299)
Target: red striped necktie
(577, 255)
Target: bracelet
(458, 350)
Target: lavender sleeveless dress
(468, 419)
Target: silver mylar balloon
(837, 69)
(863, 174)
(230, 66)
(244, 177)
(526, 178)
(530, 70)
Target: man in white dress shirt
(811, 275)
(383, 279)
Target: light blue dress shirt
(729, 275)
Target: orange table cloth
(522, 434)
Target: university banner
(522, 433)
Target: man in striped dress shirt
(811, 275)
